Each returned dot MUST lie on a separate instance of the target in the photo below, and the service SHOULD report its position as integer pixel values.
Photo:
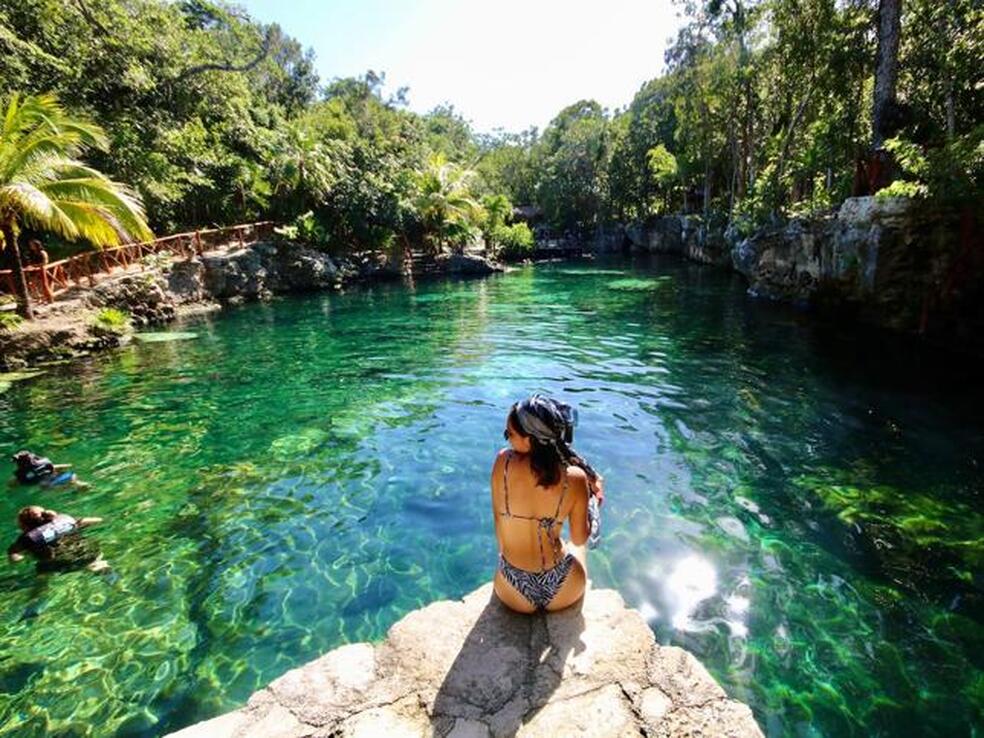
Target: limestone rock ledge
(472, 668)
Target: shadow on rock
(508, 668)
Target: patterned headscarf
(547, 420)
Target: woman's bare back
(530, 545)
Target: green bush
(9, 321)
(513, 242)
(111, 321)
(305, 228)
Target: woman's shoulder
(576, 472)
(578, 479)
(500, 459)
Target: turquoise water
(800, 507)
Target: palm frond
(36, 209)
(110, 197)
(43, 184)
(92, 223)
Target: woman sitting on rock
(537, 484)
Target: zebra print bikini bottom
(539, 587)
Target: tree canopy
(765, 108)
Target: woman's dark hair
(32, 516)
(545, 460)
(548, 458)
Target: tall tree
(884, 117)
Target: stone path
(473, 669)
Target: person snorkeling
(538, 483)
(34, 469)
(53, 539)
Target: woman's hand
(597, 488)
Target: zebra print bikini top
(547, 525)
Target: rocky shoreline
(893, 263)
(474, 669)
(158, 294)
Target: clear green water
(791, 504)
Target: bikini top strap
(562, 493)
(505, 480)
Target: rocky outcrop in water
(470, 265)
(474, 669)
(891, 262)
(686, 235)
(264, 269)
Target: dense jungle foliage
(765, 109)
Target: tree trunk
(20, 282)
(707, 186)
(887, 70)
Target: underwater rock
(165, 337)
(297, 444)
(474, 668)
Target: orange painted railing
(44, 282)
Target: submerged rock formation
(473, 668)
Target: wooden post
(198, 243)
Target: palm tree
(498, 209)
(44, 186)
(444, 204)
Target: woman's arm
(14, 551)
(497, 473)
(61, 467)
(579, 510)
(86, 522)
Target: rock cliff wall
(890, 262)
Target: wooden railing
(45, 282)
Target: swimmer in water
(53, 539)
(34, 469)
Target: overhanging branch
(229, 66)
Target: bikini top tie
(545, 524)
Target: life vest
(46, 535)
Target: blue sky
(506, 64)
